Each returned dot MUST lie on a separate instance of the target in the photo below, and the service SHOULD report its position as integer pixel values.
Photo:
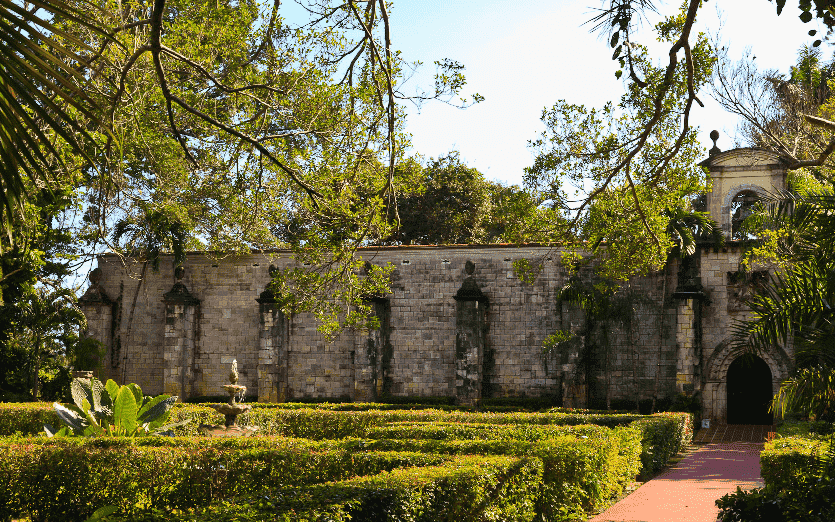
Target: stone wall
(458, 323)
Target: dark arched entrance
(749, 391)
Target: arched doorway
(749, 391)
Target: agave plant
(113, 410)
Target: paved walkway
(687, 491)
(734, 433)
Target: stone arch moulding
(714, 396)
(726, 218)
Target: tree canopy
(218, 126)
(447, 202)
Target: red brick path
(687, 492)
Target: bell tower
(739, 179)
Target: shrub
(785, 461)
(334, 424)
(467, 488)
(66, 479)
(663, 436)
(809, 499)
(112, 410)
(799, 481)
(583, 465)
(27, 418)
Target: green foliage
(663, 436)
(526, 270)
(494, 489)
(545, 466)
(25, 418)
(799, 484)
(136, 477)
(786, 460)
(449, 207)
(446, 202)
(40, 323)
(554, 341)
(626, 191)
(113, 410)
(810, 391)
(44, 103)
(794, 304)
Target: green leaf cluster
(112, 410)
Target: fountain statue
(230, 410)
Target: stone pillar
(273, 342)
(688, 327)
(372, 356)
(182, 311)
(470, 336)
(97, 308)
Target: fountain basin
(231, 409)
(234, 390)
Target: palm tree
(44, 110)
(797, 304)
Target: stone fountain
(231, 409)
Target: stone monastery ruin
(458, 323)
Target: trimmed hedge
(582, 469)
(26, 418)
(466, 488)
(477, 431)
(783, 461)
(54, 479)
(584, 459)
(67, 480)
(663, 436)
(321, 422)
(796, 487)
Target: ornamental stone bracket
(182, 312)
(470, 336)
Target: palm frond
(811, 390)
(43, 105)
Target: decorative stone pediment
(179, 294)
(747, 158)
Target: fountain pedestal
(230, 411)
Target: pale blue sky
(524, 55)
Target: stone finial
(469, 267)
(94, 294)
(714, 135)
(233, 375)
(179, 272)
